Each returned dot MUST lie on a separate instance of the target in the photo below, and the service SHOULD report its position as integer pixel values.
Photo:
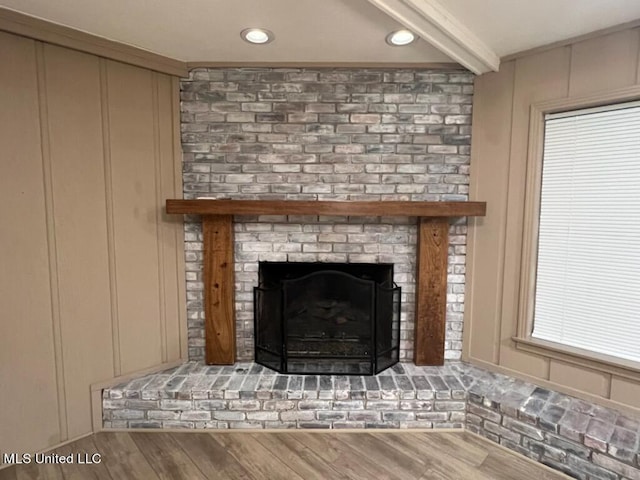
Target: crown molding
(45, 31)
(432, 22)
(376, 65)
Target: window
(586, 287)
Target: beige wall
(91, 282)
(498, 169)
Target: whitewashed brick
(280, 141)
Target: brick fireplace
(326, 134)
(287, 136)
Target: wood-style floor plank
(298, 457)
(340, 455)
(451, 445)
(122, 457)
(290, 455)
(35, 471)
(8, 473)
(390, 461)
(256, 459)
(465, 451)
(166, 457)
(519, 467)
(82, 451)
(439, 462)
(213, 460)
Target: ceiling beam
(435, 24)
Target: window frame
(528, 266)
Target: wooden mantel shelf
(292, 207)
(431, 262)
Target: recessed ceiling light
(259, 36)
(400, 38)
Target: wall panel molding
(28, 373)
(77, 172)
(113, 278)
(159, 226)
(73, 263)
(177, 222)
(51, 241)
(490, 148)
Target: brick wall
(326, 134)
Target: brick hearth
(248, 395)
(582, 439)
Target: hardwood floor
(288, 455)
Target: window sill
(579, 356)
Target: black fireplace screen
(327, 318)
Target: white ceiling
(472, 32)
(209, 30)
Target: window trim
(578, 356)
(528, 265)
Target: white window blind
(588, 274)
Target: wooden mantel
(290, 207)
(431, 275)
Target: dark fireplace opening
(326, 318)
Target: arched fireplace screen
(321, 318)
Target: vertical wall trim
(609, 385)
(638, 58)
(159, 221)
(111, 242)
(179, 230)
(503, 237)
(569, 72)
(54, 281)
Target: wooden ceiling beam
(435, 24)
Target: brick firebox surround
(326, 134)
(431, 263)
